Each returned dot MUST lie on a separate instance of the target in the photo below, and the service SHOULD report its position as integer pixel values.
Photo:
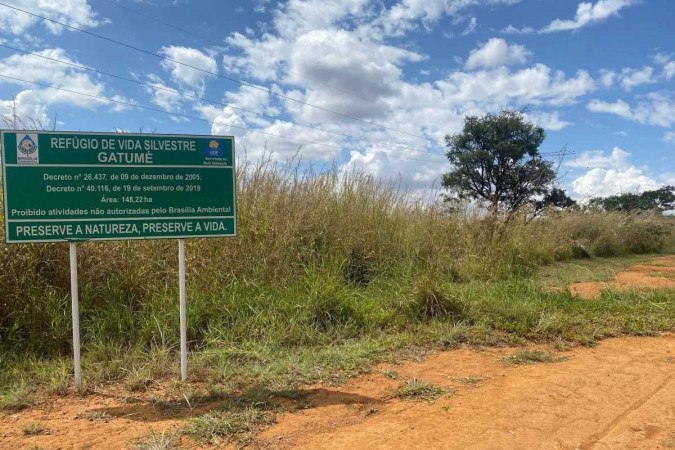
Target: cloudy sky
(372, 84)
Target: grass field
(330, 274)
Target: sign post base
(74, 293)
(183, 312)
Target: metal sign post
(183, 309)
(74, 293)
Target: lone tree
(496, 159)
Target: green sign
(67, 186)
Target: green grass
(284, 352)
(420, 390)
(470, 380)
(17, 395)
(215, 427)
(583, 270)
(33, 429)
(391, 374)
(528, 357)
(157, 440)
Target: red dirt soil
(618, 395)
(657, 275)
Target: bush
(430, 302)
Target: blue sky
(598, 75)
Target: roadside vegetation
(331, 273)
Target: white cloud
(631, 78)
(262, 58)
(513, 30)
(533, 85)
(618, 158)
(162, 95)
(317, 146)
(605, 182)
(497, 52)
(669, 70)
(34, 101)
(609, 174)
(587, 14)
(628, 78)
(668, 64)
(470, 27)
(619, 108)
(662, 58)
(667, 179)
(406, 15)
(187, 76)
(417, 174)
(75, 13)
(248, 97)
(669, 137)
(297, 17)
(343, 73)
(549, 120)
(337, 56)
(655, 109)
(607, 78)
(259, 134)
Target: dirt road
(620, 394)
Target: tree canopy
(662, 199)
(496, 159)
(556, 198)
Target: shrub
(430, 302)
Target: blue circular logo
(27, 146)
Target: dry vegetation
(329, 273)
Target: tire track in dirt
(618, 395)
(596, 438)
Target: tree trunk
(494, 207)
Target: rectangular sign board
(69, 186)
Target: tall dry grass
(310, 246)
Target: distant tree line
(660, 200)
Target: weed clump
(358, 268)
(33, 429)
(94, 416)
(420, 390)
(154, 440)
(430, 302)
(215, 427)
(527, 357)
(16, 397)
